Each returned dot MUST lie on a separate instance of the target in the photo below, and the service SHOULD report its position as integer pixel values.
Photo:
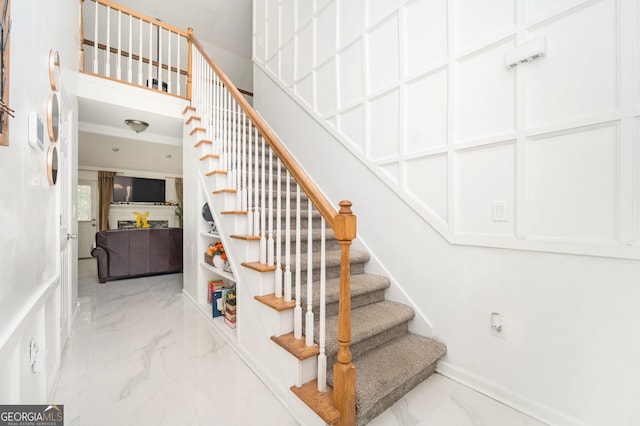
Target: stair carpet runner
(389, 359)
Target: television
(127, 189)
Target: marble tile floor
(140, 354)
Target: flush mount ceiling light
(137, 125)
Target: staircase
(389, 360)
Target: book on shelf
(230, 303)
(231, 316)
(231, 324)
(214, 285)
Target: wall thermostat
(36, 131)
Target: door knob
(72, 236)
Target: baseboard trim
(506, 396)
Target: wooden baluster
(140, 66)
(344, 373)
(309, 316)
(322, 357)
(169, 62)
(189, 63)
(119, 61)
(278, 274)
(297, 311)
(130, 61)
(263, 221)
(107, 52)
(96, 68)
(287, 240)
(270, 257)
(150, 77)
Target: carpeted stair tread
(387, 373)
(332, 258)
(367, 322)
(360, 284)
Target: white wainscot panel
(577, 78)
(304, 10)
(425, 34)
(304, 52)
(287, 20)
(383, 125)
(484, 95)
(273, 41)
(350, 74)
(304, 89)
(326, 34)
(478, 22)
(378, 9)
(287, 65)
(272, 7)
(351, 124)
(325, 89)
(382, 55)
(637, 191)
(392, 170)
(537, 8)
(485, 189)
(426, 113)
(571, 185)
(350, 21)
(426, 182)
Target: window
(84, 203)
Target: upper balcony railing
(127, 46)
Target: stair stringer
(256, 323)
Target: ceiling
(222, 23)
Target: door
(67, 178)
(87, 211)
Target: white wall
(414, 99)
(418, 90)
(29, 284)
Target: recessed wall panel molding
(476, 24)
(320, 4)
(425, 180)
(287, 65)
(272, 7)
(351, 126)
(259, 47)
(350, 74)
(484, 101)
(383, 123)
(571, 184)
(383, 68)
(425, 35)
(326, 34)
(636, 204)
(304, 51)
(304, 90)
(378, 9)
(538, 8)
(392, 171)
(425, 110)
(485, 189)
(572, 83)
(273, 64)
(326, 89)
(350, 14)
(304, 13)
(287, 21)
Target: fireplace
(130, 224)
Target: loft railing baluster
(150, 77)
(140, 66)
(96, 68)
(130, 61)
(119, 61)
(107, 67)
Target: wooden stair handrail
(325, 208)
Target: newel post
(190, 62)
(344, 372)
